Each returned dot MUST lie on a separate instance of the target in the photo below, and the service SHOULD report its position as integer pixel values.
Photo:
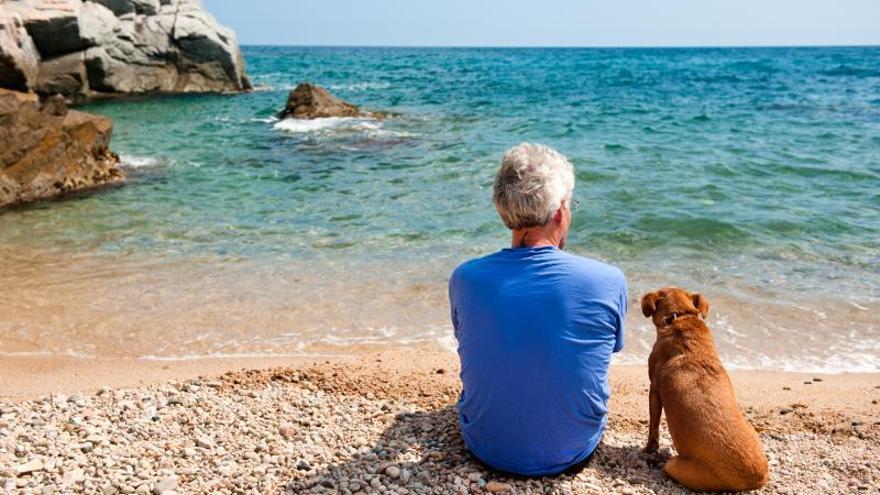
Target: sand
(372, 423)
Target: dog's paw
(651, 448)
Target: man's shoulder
(474, 265)
(594, 269)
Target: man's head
(533, 189)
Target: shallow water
(751, 175)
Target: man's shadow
(428, 453)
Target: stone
(205, 442)
(29, 467)
(47, 150)
(74, 476)
(392, 472)
(288, 431)
(308, 101)
(87, 48)
(498, 487)
(53, 25)
(405, 476)
(118, 7)
(19, 59)
(165, 486)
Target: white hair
(531, 185)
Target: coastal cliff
(47, 150)
(84, 49)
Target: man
(536, 328)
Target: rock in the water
(47, 150)
(309, 101)
(87, 48)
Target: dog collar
(678, 316)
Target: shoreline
(28, 377)
(378, 422)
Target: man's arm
(621, 315)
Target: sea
(749, 175)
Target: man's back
(536, 328)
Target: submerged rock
(88, 48)
(47, 150)
(309, 101)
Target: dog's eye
(669, 319)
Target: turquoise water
(752, 175)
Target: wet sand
(374, 423)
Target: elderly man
(536, 328)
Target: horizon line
(590, 47)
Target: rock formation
(47, 150)
(308, 101)
(89, 48)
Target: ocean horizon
(748, 174)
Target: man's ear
(558, 216)
(649, 304)
(701, 303)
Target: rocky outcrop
(47, 150)
(90, 48)
(308, 101)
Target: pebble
(288, 432)
(166, 486)
(29, 467)
(205, 442)
(498, 487)
(392, 472)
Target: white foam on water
(239, 355)
(360, 86)
(296, 126)
(260, 88)
(338, 125)
(134, 161)
(266, 120)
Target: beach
(375, 422)
(262, 307)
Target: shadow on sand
(422, 452)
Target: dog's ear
(701, 303)
(649, 304)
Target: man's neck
(532, 238)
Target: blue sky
(551, 22)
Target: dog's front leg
(655, 408)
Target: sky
(551, 22)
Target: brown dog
(718, 450)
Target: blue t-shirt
(536, 328)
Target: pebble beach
(387, 423)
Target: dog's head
(666, 305)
